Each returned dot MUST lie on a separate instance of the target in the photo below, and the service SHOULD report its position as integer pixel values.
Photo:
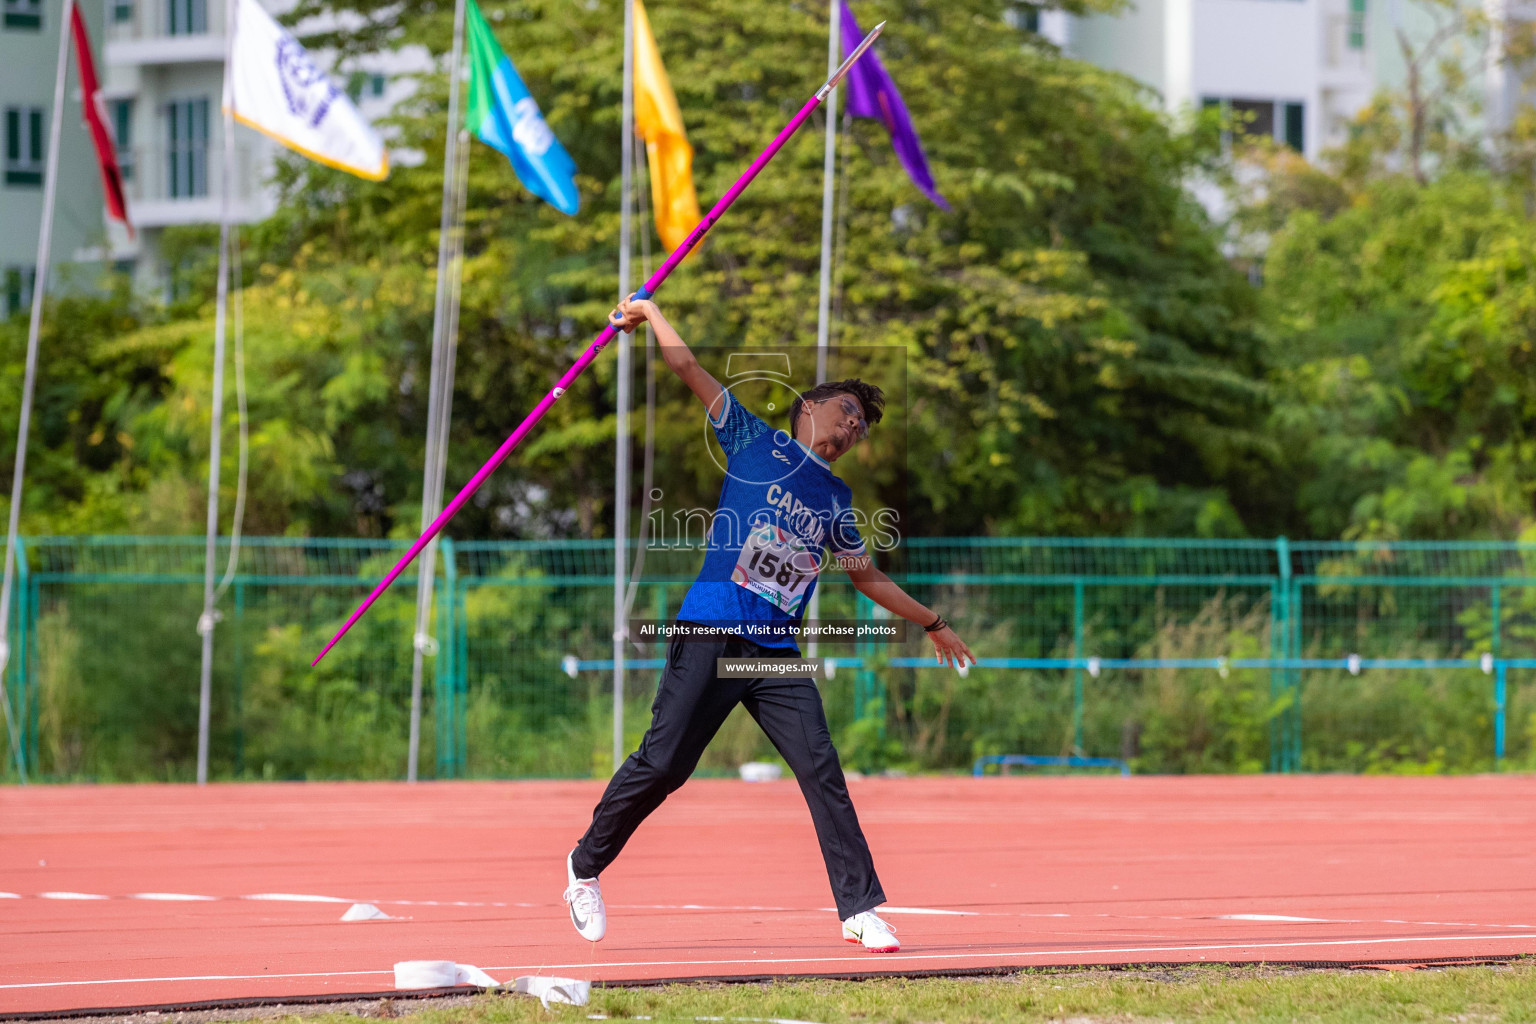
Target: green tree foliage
(103, 375)
(1399, 321)
(1397, 306)
(1080, 357)
(1406, 398)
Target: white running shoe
(877, 935)
(585, 896)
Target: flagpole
(205, 622)
(598, 343)
(824, 297)
(828, 176)
(29, 379)
(621, 425)
(450, 248)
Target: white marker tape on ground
(71, 896)
(281, 897)
(872, 962)
(1271, 917)
(171, 897)
(311, 898)
(295, 897)
(417, 974)
(189, 977)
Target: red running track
(726, 881)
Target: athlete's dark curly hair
(869, 395)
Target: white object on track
(366, 912)
(413, 974)
(760, 771)
(554, 990)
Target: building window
(1295, 127)
(24, 146)
(187, 150)
(24, 14)
(1024, 17)
(18, 288)
(122, 135)
(361, 84)
(1257, 117)
(122, 11)
(1278, 120)
(1357, 24)
(186, 17)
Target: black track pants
(692, 703)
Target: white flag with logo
(274, 87)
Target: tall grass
(115, 694)
(1204, 720)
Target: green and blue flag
(506, 117)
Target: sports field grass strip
(1466, 995)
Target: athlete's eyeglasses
(850, 408)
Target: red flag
(93, 109)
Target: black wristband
(937, 625)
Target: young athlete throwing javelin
(779, 508)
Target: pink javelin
(564, 383)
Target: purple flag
(871, 93)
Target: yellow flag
(660, 124)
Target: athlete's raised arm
(631, 313)
(885, 592)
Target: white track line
(787, 910)
(1342, 920)
(872, 962)
(1274, 917)
(193, 977)
(171, 897)
(296, 897)
(289, 897)
(453, 903)
(71, 896)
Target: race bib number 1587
(776, 566)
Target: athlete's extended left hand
(950, 648)
(631, 313)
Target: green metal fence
(1179, 655)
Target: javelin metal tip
(842, 69)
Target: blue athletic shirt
(779, 509)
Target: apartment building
(29, 42)
(161, 64)
(1300, 69)
(164, 76)
(163, 83)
